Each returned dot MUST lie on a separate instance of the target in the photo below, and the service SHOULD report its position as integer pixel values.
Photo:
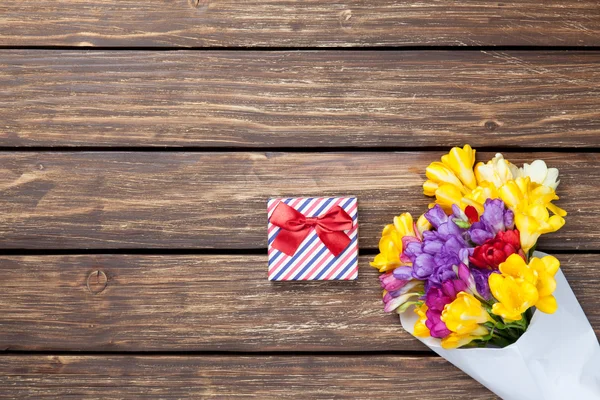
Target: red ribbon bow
(295, 226)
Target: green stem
(500, 341)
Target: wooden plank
(207, 302)
(298, 24)
(299, 99)
(297, 377)
(112, 200)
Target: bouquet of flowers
(466, 275)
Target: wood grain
(298, 377)
(298, 24)
(299, 99)
(183, 200)
(208, 302)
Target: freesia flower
(497, 171)
(495, 218)
(464, 318)
(390, 283)
(546, 267)
(475, 280)
(451, 178)
(390, 244)
(521, 286)
(477, 197)
(437, 327)
(514, 296)
(420, 329)
(436, 299)
(530, 203)
(441, 249)
(397, 298)
(495, 251)
(465, 314)
(539, 173)
(454, 340)
(463, 264)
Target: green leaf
(462, 224)
(405, 306)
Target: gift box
(313, 238)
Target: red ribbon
(295, 226)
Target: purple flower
(481, 277)
(437, 327)
(436, 299)
(452, 287)
(403, 273)
(441, 249)
(436, 216)
(396, 298)
(390, 283)
(495, 218)
(475, 280)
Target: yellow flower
(530, 202)
(454, 340)
(479, 195)
(497, 171)
(390, 244)
(546, 268)
(453, 181)
(423, 224)
(421, 329)
(455, 169)
(465, 314)
(515, 296)
(521, 286)
(461, 161)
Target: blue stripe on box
(333, 261)
(312, 260)
(305, 247)
(352, 263)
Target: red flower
(495, 251)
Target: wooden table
(140, 141)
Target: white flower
(538, 172)
(497, 171)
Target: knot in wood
(96, 282)
(491, 126)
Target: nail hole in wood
(198, 3)
(96, 282)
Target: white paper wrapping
(558, 358)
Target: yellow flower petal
(390, 244)
(514, 296)
(429, 188)
(556, 210)
(551, 264)
(461, 161)
(516, 267)
(423, 224)
(447, 195)
(455, 340)
(420, 329)
(404, 224)
(440, 173)
(465, 314)
(547, 304)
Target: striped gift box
(312, 260)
